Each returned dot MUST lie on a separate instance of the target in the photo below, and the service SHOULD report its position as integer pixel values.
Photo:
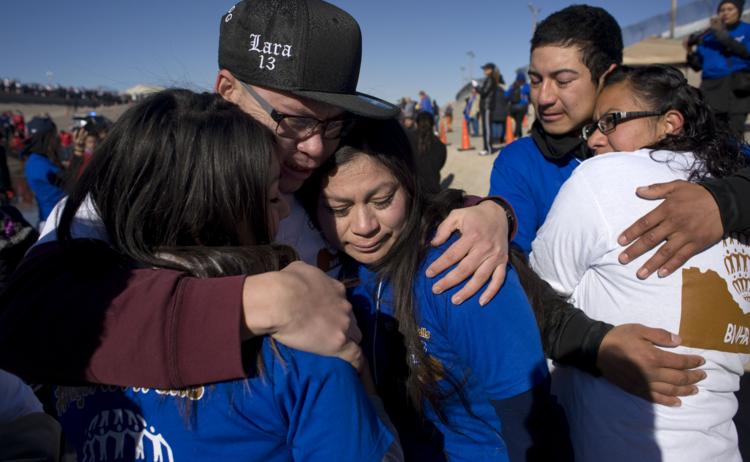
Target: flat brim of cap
(359, 103)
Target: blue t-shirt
(713, 55)
(305, 407)
(496, 347)
(38, 171)
(530, 182)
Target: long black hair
(181, 182)
(425, 127)
(385, 142)
(715, 145)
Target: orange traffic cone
(443, 139)
(508, 130)
(525, 120)
(465, 144)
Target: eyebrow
(372, 192)
(555, 73)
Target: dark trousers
(486, 120)
(518, 112)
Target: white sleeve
(573, 237)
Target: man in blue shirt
(571, 53)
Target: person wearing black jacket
(499, 116)
(487, 105)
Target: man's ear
(673, 122)
(227, 86)
(612, 67)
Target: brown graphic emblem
(711, 317)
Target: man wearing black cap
(294, 65)
(487, 106)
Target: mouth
(547, 117)
(367, 247)
(292, 171)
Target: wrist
(259, 315)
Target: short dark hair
(594, 31)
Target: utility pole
(471, 55)
(463, 79)
(535, 11)
(672, 19)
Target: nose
(364, 222)
(599, 143)
(313, 145)
(546, 95)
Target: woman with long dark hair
(464, 382)
(43, 169)
(430, 153)
(189, 182)
(664, 130)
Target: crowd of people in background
(72, 96)
(274, 271)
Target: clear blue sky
(409, 45)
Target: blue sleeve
(329, 413)
(510, 184)
(534, 426)
(507, 92)
(499, 342)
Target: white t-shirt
(706, 302)
(296, 230)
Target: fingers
(353, 332)
(352, 353)
(666, 359)
(475, 284)
(659, 190)
(680, 254)
(498, 278)
(444, 232)
(682, 381)
(450, 257)
(659, 337)
(658, 398)
(644, 229)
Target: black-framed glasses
(297, 127)
(608, 122)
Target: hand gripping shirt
(706, 302)
(303, 408)
(496, 348)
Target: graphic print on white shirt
(715, 304)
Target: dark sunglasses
(296, 127)
(608, 122)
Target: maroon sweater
(96, 318)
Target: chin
(289, 185)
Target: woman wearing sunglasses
(662, 130)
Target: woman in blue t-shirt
(190, 182)
(43, 168)
(467, 382)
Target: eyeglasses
(297, 127)
(608, 122)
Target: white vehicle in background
(81, 120)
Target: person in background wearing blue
(425, 105)
(722, 54)
(217, 222)
(472, 112)
(43, 167)
(518, 99)
(464, 383)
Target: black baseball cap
(308, 47)
(489, 66)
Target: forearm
(92, 320)
(534, 426)
(737, 48)
(732, 195)
(694, 61)
(568, 335)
